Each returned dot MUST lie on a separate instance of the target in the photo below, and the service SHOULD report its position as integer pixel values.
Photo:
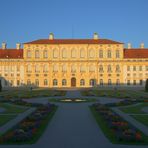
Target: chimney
(18, 46)
(142, 45)
(129, 45)
(96, 36)
(51, 36)
(4, 45)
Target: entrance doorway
(73, 82)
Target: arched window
(109, 68)
(100, 68)
(101, 81)
(28, 53)
(55, 82)
(45, 54)
(109, 82)
(73, 68)
(92, 82)
(45, 68)
(82, 68)
(55, 68)
(91, 53)
(37, 54)
(29, 68)
(101, 53)
(37, 82)
(117, 54)
(117, 82)
(73, 53)
(64, 68)
(64, 82)
(45, 82)
(117, 68)
(91, 68)
(82, 53)
(82, 82)
(109, 55)
(64, 53)
(55, 53)
(37, 68)
(28, 82)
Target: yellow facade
(73, 65)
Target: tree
(0, 86)
(146, 86)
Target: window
(117, 82)
(109, 54)
(37, 68)
(82, 68)
(29, 68)
(140, 68)
(28, 82)
(140, 82)
(128, 68)
(91, 68)
(128, 82)
(100, 53)
(64, 68)
(37, 54)
(92, 82)
(101, 81)
(134, 82)
(55, 68)
(45, 68)
(117, 54)
(146, 68)
(18, 82)
(64, 82)
(100, 68)
(55, 82)
(73, 53)
(45, 82)
(55, 53)
(82, 53)
(117, 68)
(109, 82)
(82, 82)
(91, 53)
(64, 53)
(134, 68)
(18, 68)
(37, 82)
(28, 54)
(109, 68)
(73, 68)
(45, 54)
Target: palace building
(73, 63)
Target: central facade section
(72, 62)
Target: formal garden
(29, 130)
(115, 128)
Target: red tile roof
(136, 53)
(11, 53)
(74, 41)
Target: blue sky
(121, 20)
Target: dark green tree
(146, 86)
(0, 86)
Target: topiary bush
(146, 86)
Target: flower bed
(31, 128)
(116, 128)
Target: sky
(121, 20)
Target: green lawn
(141, 118)
(11, 109)
(134, 109)
(116, 93)
(5, 118)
